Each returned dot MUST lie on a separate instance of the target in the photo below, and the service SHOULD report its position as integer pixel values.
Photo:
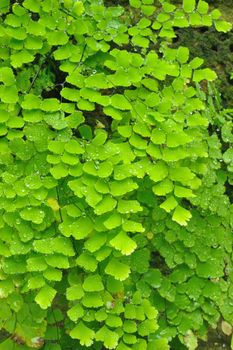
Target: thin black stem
(35, 77)
(61, 220)
(57, 328)
(33, 81)
(81, 58)
(67, 13)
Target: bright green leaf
(189, 5)
(120, 102)
(93, 283)
(169, 204)
(45, 296)
(83, 333)
(181, 215)
(117, 269)
(123, 243)
(108, 337)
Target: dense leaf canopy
(115, 225)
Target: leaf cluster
(115, 229)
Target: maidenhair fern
(115, 229)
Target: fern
(115, 229)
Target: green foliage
(115, 228)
